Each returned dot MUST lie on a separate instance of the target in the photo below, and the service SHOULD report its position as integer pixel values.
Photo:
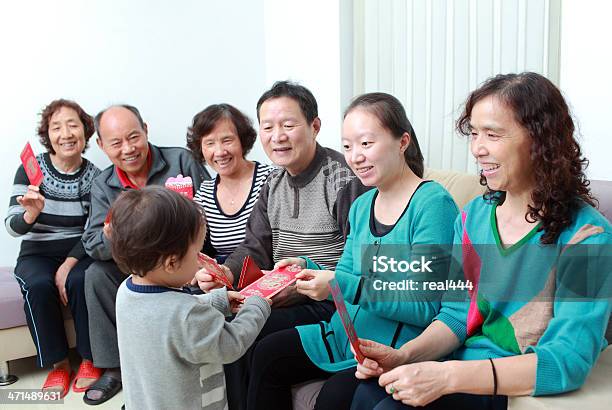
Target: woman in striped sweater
(222, 136)
(50, 219)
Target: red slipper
(59, 378)
(86, 370)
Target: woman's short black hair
(206, 120)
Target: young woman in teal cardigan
(407, 218)
(538, 254)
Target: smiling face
(501, 146)
(124, 140)
(286, 136)
(66, 134)
(374, 155)
(222, 150)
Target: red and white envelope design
(31, 166)
(272, 282)
(182, 185)
(347, 323)
(214, 270)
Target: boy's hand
(206, 282)
(235, 300)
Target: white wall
(168, 60)
(586, 78)
(302, 40)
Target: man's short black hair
(299, 93)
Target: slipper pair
(61, 377)
(109, 386)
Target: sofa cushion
(11, 302)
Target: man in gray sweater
(123, 136)
(301, 210)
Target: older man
(123, 136)
(301, 210)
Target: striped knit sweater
(227, 231)
(58, 229)
(298, 215)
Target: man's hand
(290, 261)
(288, 297)
(33, 202)
(61, 275)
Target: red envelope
(347, 323)
(272, 282)
(31, 166)
(250, 272)
(214, 270)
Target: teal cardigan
(425, 229)
(550, 300)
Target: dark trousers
(43, 308)
(279, 361)
(102, 281)
(370, 396)
(237, 374)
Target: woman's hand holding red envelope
(379, 359)
(314, 283)
(33, 202)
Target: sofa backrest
(462, 187)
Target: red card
(272, 282)
(214, 270)
(250, 272)
(347, 323)
(31, 166)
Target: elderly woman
(223, 136)
(51, 264)
(529, 324)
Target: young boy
(172, 344)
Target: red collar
(125, 180)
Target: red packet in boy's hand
(272, 282)
(250, 272)
(214, 270)
(347, 323)
(31, 166)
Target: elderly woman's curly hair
(52, 108)
(557, 161)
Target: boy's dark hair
(151, 224)
(299, 93)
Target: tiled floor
(32, 377)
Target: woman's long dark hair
(557, 162)
(391, 114)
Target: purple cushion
(11, 301)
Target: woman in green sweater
(538, 255)
(405, 218)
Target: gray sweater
(302, 215)
(172, 345)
